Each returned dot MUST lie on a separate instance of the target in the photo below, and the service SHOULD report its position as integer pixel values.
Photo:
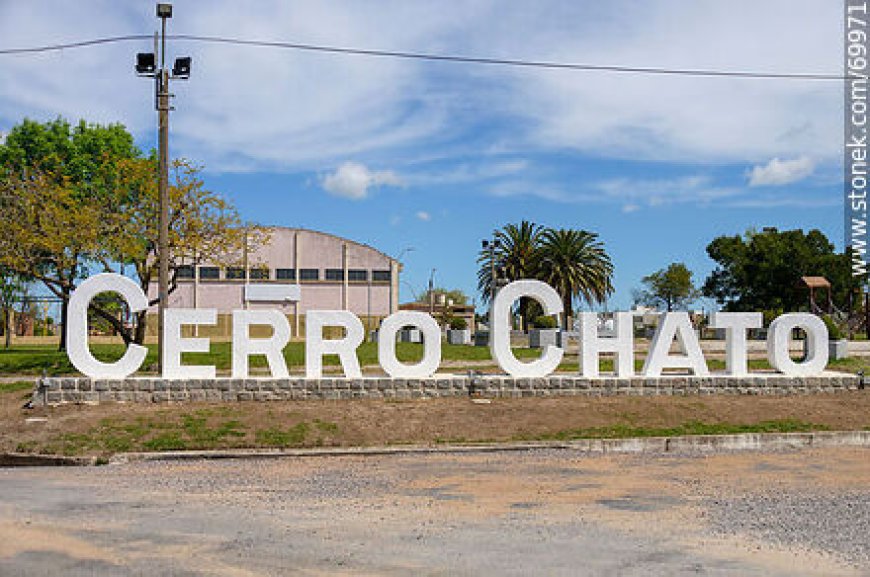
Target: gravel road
(544, 512)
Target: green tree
(670, 288)
(762, 270)
(76, 199)
(203, 226)
(515, 257)
(12, 288)
(575, 263)
(458, 297)
(58, 192)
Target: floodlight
(164, 10)
(181, 69)
(146, 63)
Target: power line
(82, 44)
(698, 72)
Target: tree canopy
(456, 296)
(78, 199)
(762, 270)
(574, 262)
(670, 288)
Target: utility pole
(146, 65)
(491, 246)
(162, 186)
(432, 292)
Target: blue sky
(434, 156)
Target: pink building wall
(290, 248)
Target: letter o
(817, 344)
(431, 345)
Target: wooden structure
(816, 283)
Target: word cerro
(672, 326)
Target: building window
(209, 272)
(285, 274)
(259, 273)
(357, 275)
(334, 274)
(184, 271)
(381, 276)
(234, 273)
(309, 274)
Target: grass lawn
(34, 359)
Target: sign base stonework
(62, 390)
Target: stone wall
(59, 390)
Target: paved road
(546, 512)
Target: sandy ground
(540, 512)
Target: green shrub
(545, 322)
(458, 324)
(834, 332)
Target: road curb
(680, 444)
(691, 444)
(30, 460)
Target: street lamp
(494, 272)
(146, 66)
(432, 291)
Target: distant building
(296, 271)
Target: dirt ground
(109, 428)
(540, 512)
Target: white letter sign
(273, 347)
(77, 327)
(816, 344)
(500, 329)
(621, 344)
(316, 346)
(175, 344)
(431, 345)
(675, 325)
(735, 325)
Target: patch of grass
(202, 435)
(16, 386)
(277, 437)
(168, 441)
(623, 431)
(326, 426)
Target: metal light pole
(146, 65)
(432, 291)
(491, 245)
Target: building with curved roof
(296, 270)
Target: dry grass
(110, 428)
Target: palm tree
(575, 264)
(515, 256)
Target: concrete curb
(704, 444)
(29, 460)
(685, 444)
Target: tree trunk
(64, 309)
(6, 332)
(141, 325)
(566, 305)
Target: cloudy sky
(434, 156)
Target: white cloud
(248, 108)
(424, 216)
(466, 173)
(629, 208)
(353, 180)
(779, 172)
